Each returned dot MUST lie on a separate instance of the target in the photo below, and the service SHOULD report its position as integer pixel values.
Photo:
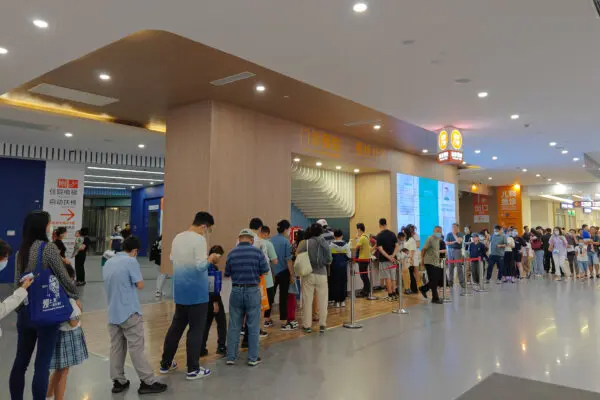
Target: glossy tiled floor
(538, 330)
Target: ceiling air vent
(23, 125)
(597, 4)
(78, 96)
(361, 123)
(232, 78)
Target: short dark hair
(216, 250)
(382, 222)
(584, 226)
(265, 229)
(5, 249)
(497, 227)
(61, 230)
(315, 230)
(338, 233)
(401, 235)
(283, 225)
(361, 227)
(255, 224)
(84, 231)
(131, 243)
(203, 218)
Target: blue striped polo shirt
(245, 264)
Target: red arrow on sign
(70, 214)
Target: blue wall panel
(141, 199)
(298, 218)
(23, 191)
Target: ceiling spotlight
(133, 187)
(494, 158)
(152, 183)
(104, 77)
(377, 127)
(482, 95)
(552, 144)
(68, 134)
(40, 23)
(296, 159)
(549, 179)
(477, 151)
(490, 178)
(3, 50)
(564, 151)
(360, 7)
(425, 151)
(575, 158)
(537, 175)
(514, 116)
(141, 145)
(524, 170)
(338, 167)
(319, 163)
(260, 88)
(356, 171)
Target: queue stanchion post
(465, 289)
(444, 271)
(482, 288)
(401, 310)
(370, 271)
(352, 324)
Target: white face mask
(3, 265)
(556, 233)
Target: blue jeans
(583, 266)
(498, 261)
(538, 263)
(46, 342)
(243, 301)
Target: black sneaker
(322, 329)
(156, 387)
(204, 353)
(438, 301)
(222, 351)
(255, 362)
(263, 334)
(119, 387)
(307, 330)
(423, 291)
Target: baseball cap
(322, 222)
(246, 232)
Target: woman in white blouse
(11, 302)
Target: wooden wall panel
(373, 201)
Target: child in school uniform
(582, 260)
(216, 310)
(70, 350)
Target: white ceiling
(536, 58)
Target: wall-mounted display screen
(425, 203)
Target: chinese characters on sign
(566, 206)
(587, 204)
(368, 150)
(481, 207)
(509, 206)
(454, 154)
(320, 141)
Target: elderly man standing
(430, 257)
(454, 242)
(245, 264)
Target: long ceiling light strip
(135, 171)
(547, 196)
(122, 177)
(112, 183)
(104, 187)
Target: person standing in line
(363, 247)
(58, 237)
(36, 251)
(549, 266)
(190, 293)
(116, 239)
(538, 248)
(508, 274)
(497, 245)
(216, 310)
(594, 250)
(387, 245)
(414, 257)
(320, 258)
(454, 242)
(404, 262)
(156, 256)
(265, 234)
(476, 249)
(245, 265)
(81, 256)
(122, 279)
(284, 275)
(15, 300)
(571, 237)
(558, 248)
(582, 259)
(430, 259)
(341, 254)
(519, 273)
(125, 233)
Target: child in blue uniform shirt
(215, 306)
(476, 250)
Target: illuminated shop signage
(450, 145)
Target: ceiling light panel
(40, 23)
(232, 78)
(3, 50)
(135, 171)
(121, 177)
(78, 96)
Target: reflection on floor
(539, 330)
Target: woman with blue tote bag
(47, 305)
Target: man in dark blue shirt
(245, 264)
(476, 250)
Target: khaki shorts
(385, 273)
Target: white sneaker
(157, 295)
(198, 374)
(343, 304)
(337, 305)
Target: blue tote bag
(48, 303)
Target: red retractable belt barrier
(473, 259)
(454, 261)
(367, 271)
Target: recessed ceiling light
(565, 151)
(549, 179)
(104, 77)
(575, 158)
(537, 175)
(490, 178)
(68, 134)
(360, 7)
(338, 167)
(319, 163)
(477, 151)
(133, 187)
(377, 127)
(558, 183)
(524, 170)
(296, 159)
(494, 158)
(286, 97)
(141, 145)
(552, 144)
(482, 95)
(514, 116)
(260, 88)
(425, 151)
(356, 171)
(40, 23)
(3, 50)
(152, 183)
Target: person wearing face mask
(557, 245)
(497, 245)
(571, 256)
(519, 272)
(537, 246)
(122, 279)
(11, 302)
(430, 259)
(454, 241)
(508, 274)
(476, 249)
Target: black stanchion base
(352, 326)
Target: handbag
(302, 265)
(48, 303)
